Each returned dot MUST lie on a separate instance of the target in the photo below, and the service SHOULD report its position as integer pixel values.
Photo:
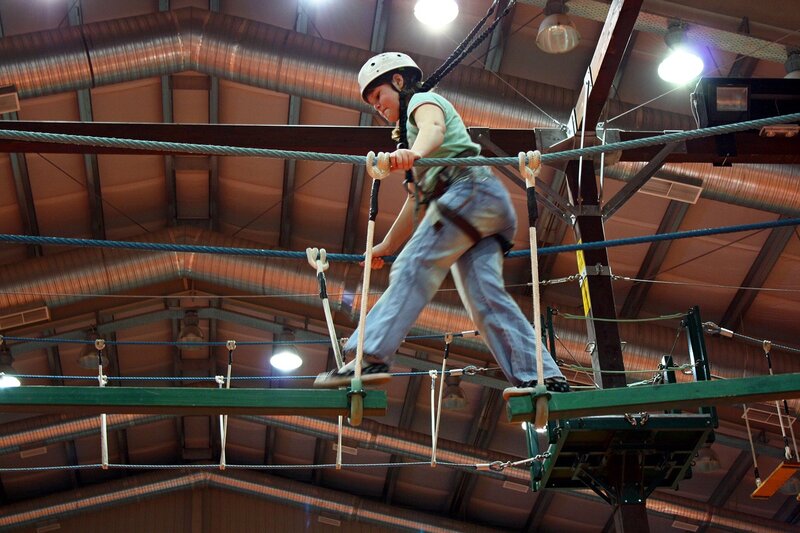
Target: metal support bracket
(597, 270)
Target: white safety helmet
(380, 64)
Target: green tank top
(456, 138)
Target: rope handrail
(353, 258)
(215, 149)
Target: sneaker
(556, 384)
(371, 374)
(553, 384)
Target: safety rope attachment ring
(382, 168)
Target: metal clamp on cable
(598, 270)
(494, 466)
(712, 329)
(471, 370)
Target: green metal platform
(684, 396)
(595, 452)
(185, 401)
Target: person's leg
(479, 278)
(416, 275)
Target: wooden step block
(775, 480)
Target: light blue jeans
(478, 196)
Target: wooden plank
(652, 398)
(775, 480)
(185, 401)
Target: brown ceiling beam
(765, 261)
(743, 66)
(653, 259)
(357, 140)
(605, 62)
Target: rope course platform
(586, 452)
(663, 397)
(185, 401)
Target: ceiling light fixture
(706, 460)
(557, 33)
(454, 398)
(436, 13)
(682, 64)
(7, 377)
(89, 353)
(285, 357)
(190, 332)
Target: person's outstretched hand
(378, 251)
(403, 159)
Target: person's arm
(430, 121)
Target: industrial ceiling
(281, 75)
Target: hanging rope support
(448, 338)
(318, 259)
(529, 167)
(787, 451)
(102, 381)
(223, 419)
(752, 447)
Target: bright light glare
(538, 430)
(680, 66)
(436, 13)
(8, 381)
(285, 360)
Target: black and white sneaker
(371, 374)
(553, 384)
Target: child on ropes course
(468, 223)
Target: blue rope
(660, 237)
(215, 149)
(352, 258)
